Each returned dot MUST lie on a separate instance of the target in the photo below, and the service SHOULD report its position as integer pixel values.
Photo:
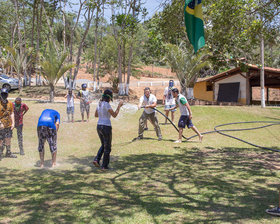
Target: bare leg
(166, 114)
(87, 116)
(42, 154)
(68, 117)
(180, 134)
(172, 116)
(82, 117)
(54, 159)
(72, 118)
(198, 133)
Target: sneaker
(10, 155)
(160, 138)
(178, 141)
(274, 211)
(139, 138)
(146, 129)
(22, 152)
(96, 163)
(105, 168)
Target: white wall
(235, 78)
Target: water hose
(220, 131)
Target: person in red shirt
(20, 110)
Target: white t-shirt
(181, 101)
(84, 94)
(144, 101)
(70, 101)
(103, 113)
(169, 99)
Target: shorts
(167, 107)
(185, 121)
(49, 134)
(6, 133)
(70, 110)
(84, 107)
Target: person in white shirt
(70, 105)
(148, 101)
(104, 112)
(186, 115)
(83, 95)
(169, 100)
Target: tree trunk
(121, 87)
(39, 19)
(129, 69)
(262, 73)
(20, 44)
(95, 42)
(51, 93)
(89, 19)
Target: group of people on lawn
(11, 116)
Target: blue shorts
(167, 107)
(185, 121)
(70, 110)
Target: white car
(8, 82)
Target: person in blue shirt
(48, 125)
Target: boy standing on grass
(83, 95)
(20, 110)
(70, 105)
(7, 124)
(186, 115)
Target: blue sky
(152, 6)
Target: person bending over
(48, 125)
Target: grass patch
(218, 181)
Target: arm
(57, 126)
(140, 103)
(26, 108)
(65, 96)
(189, 109)
(163, 99)
(152, 105)
(13, 120)
(173, 108)
(96, 113)
(116, 112)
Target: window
(209, 86)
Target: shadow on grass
(189, 186)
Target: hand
(120, 104)
(190, 116)
(12, 127)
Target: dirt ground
(137, 92)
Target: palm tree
(20, 62)
(185, 64)
(53, 67)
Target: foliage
(53, 67)
(185, 64)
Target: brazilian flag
(194, 23)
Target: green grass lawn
(219, 180)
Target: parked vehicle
(8, 82)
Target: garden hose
(220, 131)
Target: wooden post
(248, 87)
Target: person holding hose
(148, 102)
(104, 112)
(186, 115)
